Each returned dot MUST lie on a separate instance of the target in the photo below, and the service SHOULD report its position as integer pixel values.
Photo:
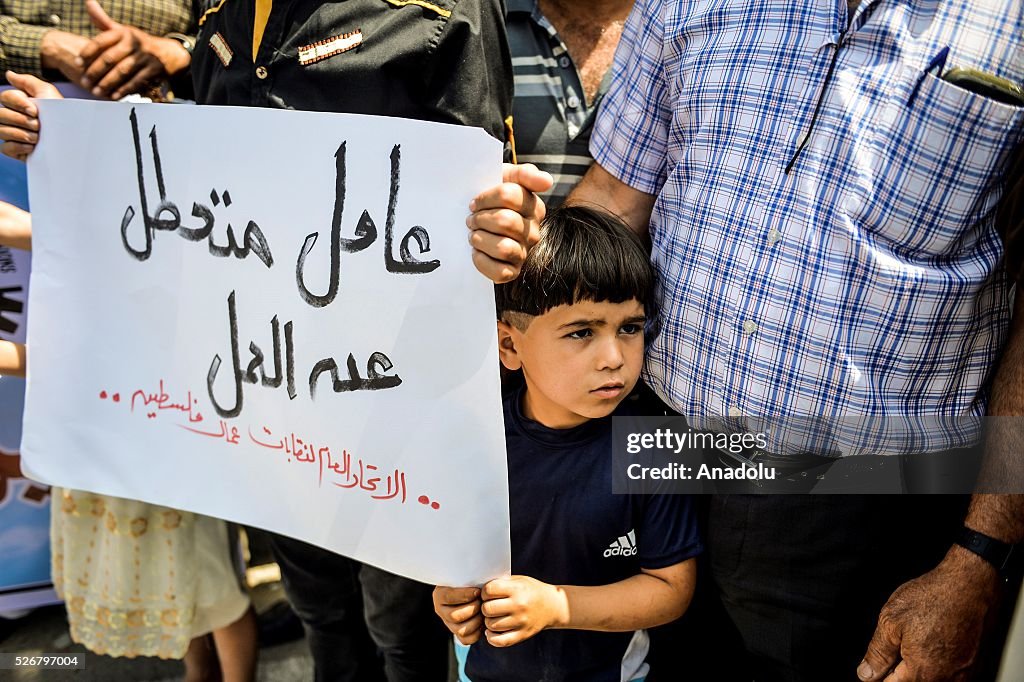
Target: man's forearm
(998, 516)
(1002, 516)
(602, 189)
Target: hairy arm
(602, 189)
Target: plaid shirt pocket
(931, 165)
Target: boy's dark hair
(584, 254)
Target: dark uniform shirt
(552, 118)
(443, 60)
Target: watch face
(186, 41)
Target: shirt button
(55, 20)
(774, 237)
(261, 72)
(573, 102)
(853, 204)
(564, 62)
(749, 327)
(735, 412)
(888, 118)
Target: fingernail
(78, 61)
(86, 83)
(472, 205)
(865, 671)
(96, 91)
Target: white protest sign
(271, 317)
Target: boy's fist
(519, 607)
(459, 608)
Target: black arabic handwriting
(365, 235)
(254, 372)
(253, 239)
(375, 380)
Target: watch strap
(1004, 556)
(187, 42)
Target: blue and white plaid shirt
(865, 282)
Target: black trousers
(791, 586)
(362, 624)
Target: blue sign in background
(24, 505)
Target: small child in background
(591, 569)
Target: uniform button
(564, 62)
(749, 327)
(774, 237)
(735, 412)
(573, 102)
(55, 20)
(261, 72)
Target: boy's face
(580, 361)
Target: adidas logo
(624, 546)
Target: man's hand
(123, 59)
(931, 628)
(519, 607)
(19, 122)
(459, 608)
(505, 221)
(59, 50)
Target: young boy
(591, 569)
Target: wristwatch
(1006, 558)
(187, 42)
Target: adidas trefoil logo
(624, 546)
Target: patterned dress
(138, 579)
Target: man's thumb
(99, 18)
(882, 655)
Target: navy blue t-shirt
(568, 528)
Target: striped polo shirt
(551, 115)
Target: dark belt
(754, 456)
(802, 472)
